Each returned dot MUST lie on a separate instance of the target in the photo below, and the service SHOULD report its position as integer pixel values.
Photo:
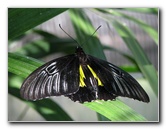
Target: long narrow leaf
(115, 110)
(46, 107)
(46, 46)
(143, 10)
(22, 19)
(84, 30)
(147, 28)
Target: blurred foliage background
(128, 38)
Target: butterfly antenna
(94, 32)
(68, 34)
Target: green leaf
(44, 47)
(84, 30)
(114, 110)
(147, 28)
(22, 19)
(143, 10)
(21, 65)
(46, 107)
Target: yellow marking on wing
(94, 74)
(82, 76)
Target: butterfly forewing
(57, 77)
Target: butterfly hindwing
(116, 81)
(84, 94)
(57, 77)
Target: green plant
(22, 20)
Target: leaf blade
(147, 28)
(124, 114)
(47, 108)
(22, 19)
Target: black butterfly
(82, 78)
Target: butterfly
(82, 78)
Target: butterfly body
(82, 78)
